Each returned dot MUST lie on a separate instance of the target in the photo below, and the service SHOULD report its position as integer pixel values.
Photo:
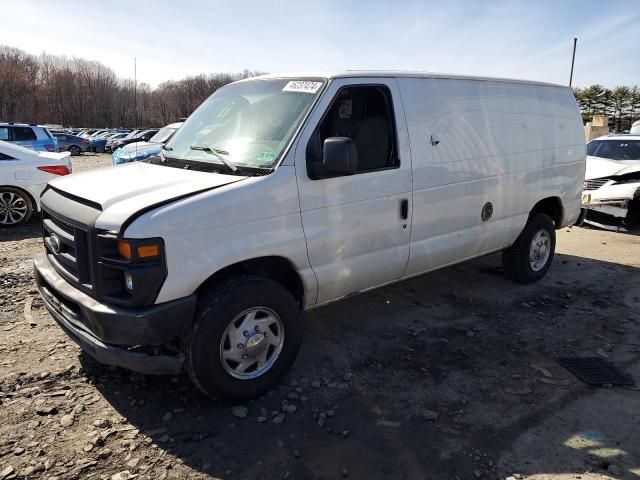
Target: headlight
(130, 271)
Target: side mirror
(340, 156)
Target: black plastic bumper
(108, 333)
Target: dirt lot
(452, 375)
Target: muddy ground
(453, 375)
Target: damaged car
(144, 150)
(611, 196)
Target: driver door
(357, 226)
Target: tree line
(621, 104)
(84, 93)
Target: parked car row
(77, 141)
(98, 138)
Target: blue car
(99, 142)
(137, 151)
(30, 135)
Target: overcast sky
(173, 39)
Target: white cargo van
(284, 193)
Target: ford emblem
(55, 243)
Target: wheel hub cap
(256, 345)
(252, 343)
(540, 250)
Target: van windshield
(249, 122)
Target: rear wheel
(74, 149)
(245, 337)
(16, 207)
(530, 257)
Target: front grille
(595, 183)
(69, 254)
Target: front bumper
(116, 335)
(611, 201)
(612, 212)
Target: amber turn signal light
(148, 251)
(125, 249)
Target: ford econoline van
(284, 193)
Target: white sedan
(611, 196)
(24, 174)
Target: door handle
(404, 208)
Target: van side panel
(206, 238)
(510, 144)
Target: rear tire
(16, 207)
(74, 149)
(234, 312)
(530, 257)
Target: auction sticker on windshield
(302, 86)
(266, 157)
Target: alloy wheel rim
(539, 250)
(251, 343)
(13, 208)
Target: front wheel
(245, 337)
(530, 257)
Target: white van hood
(126, 189)
(604, 167)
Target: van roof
(396, 73)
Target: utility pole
(573, 59)
(135, 92)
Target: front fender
(207, 232)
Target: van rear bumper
(109, 333)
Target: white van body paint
(511, 143)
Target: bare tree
(79, 92)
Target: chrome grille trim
(70, 260)
(595, 184)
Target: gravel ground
(452, 375)
(90, 161)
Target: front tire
(245, 338)
(16, 207)
(530, 257)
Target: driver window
(364, 114)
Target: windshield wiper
(219, 154)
